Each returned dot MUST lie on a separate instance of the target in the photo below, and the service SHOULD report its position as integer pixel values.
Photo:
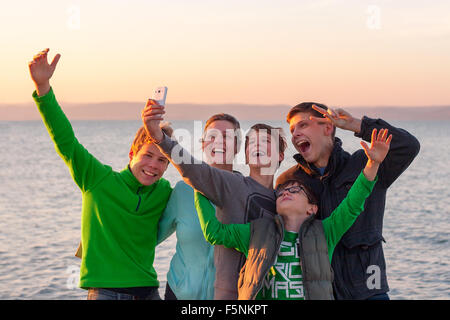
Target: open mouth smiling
(148, 173)
(303, 145)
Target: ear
(312, 209)
(246, 156)
(281, 158)
(328, 128)
(131, 154)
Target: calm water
(40, 210)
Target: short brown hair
(282, 144)
(312, 197)
(142, 137)
(308, 108)
(229, 118)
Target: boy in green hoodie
(289, 255)
(120, 210)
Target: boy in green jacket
(289, 255)
(120, 210)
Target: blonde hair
(142, 137)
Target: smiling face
(219, 143)
(312, 139)
(261, 150)
(149, 164)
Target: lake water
(40, 210)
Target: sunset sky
(338, 52)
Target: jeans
(105, 294)
(169, 294)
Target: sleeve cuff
(165, 143)
(366, 183)
(46, 97)
(364, 125)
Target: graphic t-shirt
(284, 280)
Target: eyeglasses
(296, 189)
(292, 190)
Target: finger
(389, 139)
(365, 147)
(55, 61)
(374, 135)
(154, 107)
(385, 133)
(341, 112)
(151, 102)
(320, 120)
(380, 134)
(319, 109)
(332, 113)
(152, 112)
(151, 118)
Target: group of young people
(313, 234)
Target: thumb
(365, 147)
(55, 61)
(151, 102)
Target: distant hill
(132, 111)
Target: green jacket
(119, 216)
(260, 241)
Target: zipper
(302, 258)
(139, 202)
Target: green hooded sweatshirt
(119, 218)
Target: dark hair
(312, 197)
(229, 118)
(282, 144)
(308, 108)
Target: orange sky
(341, 53)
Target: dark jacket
(265, 241)
(361, 246)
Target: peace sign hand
(339, 118)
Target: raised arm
(343, 217)
(403, 149)
(214, 183)
(235, 236)
(85, 169)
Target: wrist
(356, 125)
(43, 88)
(371, 169)
(156, 138)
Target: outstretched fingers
(374, 136)
(55, 61)
(365, 147)
(389, 139)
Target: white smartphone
(159, 95)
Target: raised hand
(379, 148)
(339, 118)
(41, 71)
(151, 118)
